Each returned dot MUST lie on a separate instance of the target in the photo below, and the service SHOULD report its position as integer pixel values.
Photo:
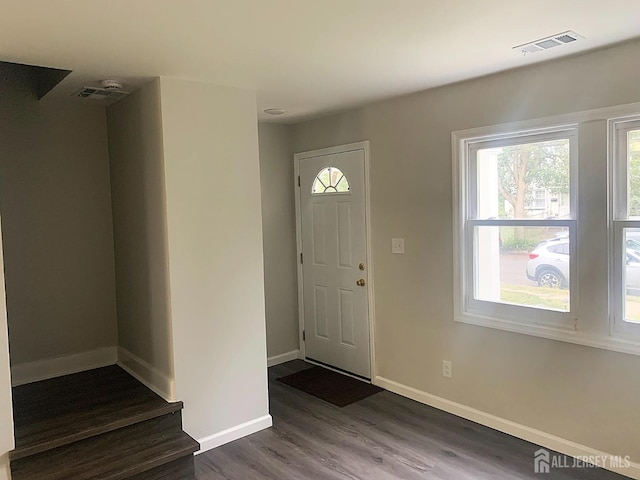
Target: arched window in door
(330, 180)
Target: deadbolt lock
(361, 266)
(360, 282)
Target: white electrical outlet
(397, 245)
(446, 368)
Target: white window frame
(619, 220)
(594, 330)
(494, 314)
(533, 205)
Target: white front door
(334, 261)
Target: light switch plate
(397, 245)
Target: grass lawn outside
(539, 297)
(632, 308)
(555, 299)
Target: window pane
(330, 180)
(632, 274)
(633, 173)
(522, 266)
(527, 181)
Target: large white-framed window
(515, 263)
(511, 224)
(624, 301)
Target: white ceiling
(308, 56)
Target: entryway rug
(330, 386)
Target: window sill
(614, 344)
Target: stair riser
(182, 469)
(93, 431)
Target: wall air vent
(546, 43)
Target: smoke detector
(275, 111)
(111, 84)
(546, 43)
(109, 90)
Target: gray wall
(140, 233)
(56, 222)
(579, 393)
(279, 238)
(214, 229)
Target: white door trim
(364, 146)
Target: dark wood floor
(382, 437)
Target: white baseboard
(56, 367)
(282, 358)
(538, 437)
(147, 374)
(234, 433)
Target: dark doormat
(330, 386)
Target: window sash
(562, 133)
(620, 158)
(502, 312)
(519, 313)
(619, 130)
(620, 326)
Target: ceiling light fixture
(275, 111)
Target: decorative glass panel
(330, 180)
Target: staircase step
(57, 412)
(181, 469)
(116, 455)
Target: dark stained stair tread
(117, 455)
(56, 412)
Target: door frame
(297, 157)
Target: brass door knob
(360, 282)
(361, 266)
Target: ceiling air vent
(546, 43)
(109, 90)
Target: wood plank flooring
(383, 437)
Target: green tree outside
(633, 173)
(524, 168)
